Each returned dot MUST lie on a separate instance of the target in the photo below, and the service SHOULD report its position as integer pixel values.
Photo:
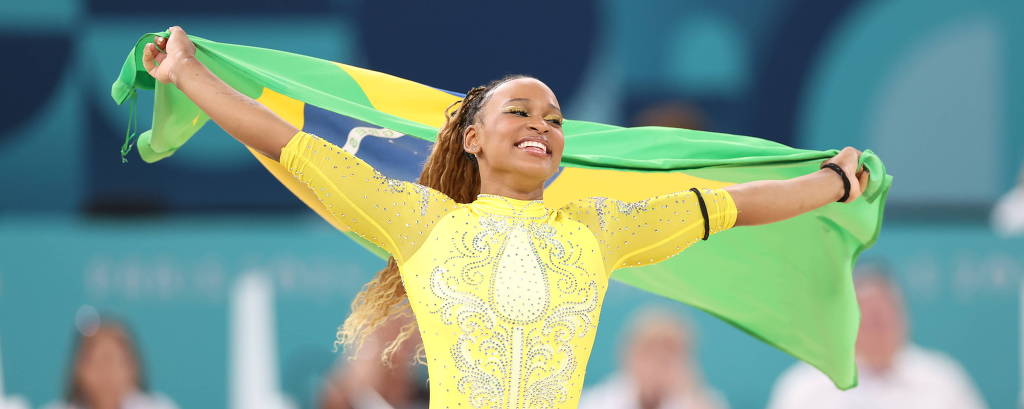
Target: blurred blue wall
(932, 86)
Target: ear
(471, 140)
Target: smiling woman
(506, 292)
(518, 142)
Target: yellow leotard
(506, 292)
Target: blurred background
(203, 283)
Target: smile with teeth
(533, 146)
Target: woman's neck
(499, 189)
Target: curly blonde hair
(449, 170)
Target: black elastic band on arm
(703, 212)
(842, 175)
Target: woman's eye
(556, 121)
(516, 111)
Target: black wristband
(846, 180)
(703, 212)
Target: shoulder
(800, 374)
(153, 400)
(584, 204)
(936, 371)
(13, 402)
(930, 361)
(799, 386)
(609, 393)
(599, 208)
(585, 210)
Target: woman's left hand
(848, 159)
(769, 201)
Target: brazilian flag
(788, 283)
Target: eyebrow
(528, 100)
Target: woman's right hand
(163, 56)
(242, 117)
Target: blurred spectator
(673, 114)
(893, 372)
(106, 372)
(363, 382)
(1008, 214)
(658, 370)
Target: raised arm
(397, 216)
(648, 231)
(394, 215)
(769, 201)
(172, 60)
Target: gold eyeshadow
(520, 110)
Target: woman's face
(106, 369)
(518, 132)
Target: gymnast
(506, 292)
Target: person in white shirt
(106, 372)
(893, 372)
(658, 370)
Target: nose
(539, 125)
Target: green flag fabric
(788, 283)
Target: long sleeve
(652, 230)
(395, 215)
